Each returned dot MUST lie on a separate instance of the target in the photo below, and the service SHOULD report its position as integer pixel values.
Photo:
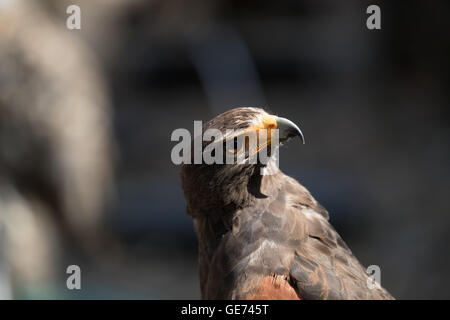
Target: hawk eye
(234, 148)
(235, 143)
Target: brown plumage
(265, 236)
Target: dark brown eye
(234, 147)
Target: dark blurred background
(86, 117)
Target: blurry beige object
(5, 281)
(55, 153)
(29, 242)
(100, 21)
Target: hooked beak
(288, 129)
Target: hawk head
(242, 135)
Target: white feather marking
(311, 214)
(255, 256)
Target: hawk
(263, 236)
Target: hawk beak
(288, 129)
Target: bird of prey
(264, 236)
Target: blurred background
(86, 117)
